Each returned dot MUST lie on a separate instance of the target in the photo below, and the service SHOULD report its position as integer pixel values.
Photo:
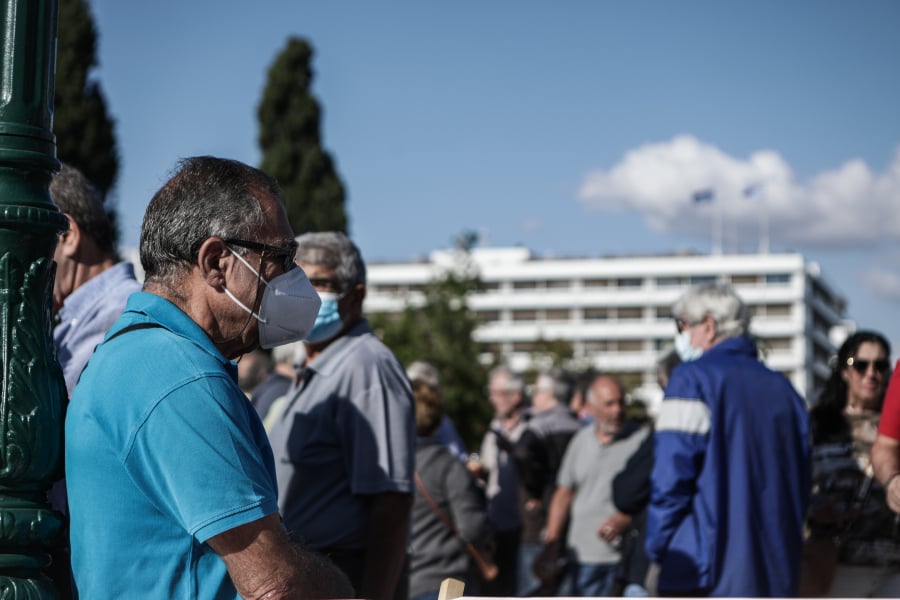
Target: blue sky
(572, 128)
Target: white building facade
(616, 311)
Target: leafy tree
(85, 133)
(547, 354)
(440, 331)
(291, 144)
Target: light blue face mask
(328, 322)
(686, 352)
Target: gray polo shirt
(347, 432)
(589, 468)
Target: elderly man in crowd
(731, 479)
(91, 287)
(171, 479)
(497, 468)
(345, 440)
(584, 493)
(539, 453)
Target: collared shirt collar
(80, 302)
(145, 307)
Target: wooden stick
(451, 589)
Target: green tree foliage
(439, 331)
(291, 144)
(85, 133)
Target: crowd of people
(237, 429)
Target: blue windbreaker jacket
(731, 477)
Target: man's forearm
(263, 564)
(885, 458)
(558, 514)
(886, 465)
(388, 537)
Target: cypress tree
(291, 145)
(85, 133)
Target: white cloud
(882, 283)
(847, 206)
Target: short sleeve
(890, 412)
(200, 461)
(378, 431)
(566, 476)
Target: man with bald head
(596, 454)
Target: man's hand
(613, 527)
(547, 564)
(892, 493)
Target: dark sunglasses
(862, 366)
(287, 253)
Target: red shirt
(890, 410)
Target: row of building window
(605, 283)
(775, 344)
(622, 313)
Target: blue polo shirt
(163, 452)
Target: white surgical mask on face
(288, 309)
(686, 352)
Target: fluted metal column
(32, 391)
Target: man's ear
(70, 241)
(212, 260)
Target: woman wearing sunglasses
(853, 549)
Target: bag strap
(488, 570)
(125, 329)
(133, 327)
(420, 485)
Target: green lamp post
(32, 391)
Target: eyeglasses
(287, 253)
(681, 324)
(326, 284)
(862, 366)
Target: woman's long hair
(827, 421)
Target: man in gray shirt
(345, 440)
(583, 494)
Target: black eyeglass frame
(861, 366)
(289, 252)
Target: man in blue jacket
(730, 482)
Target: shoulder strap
(133, 327)
(125, 329)
(433, 505)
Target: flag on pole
(753, 191)
(703, 196)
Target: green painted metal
(32, 390)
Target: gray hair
(206, 197)
(292, 353)
(334, 250)
(718, 301)
(76, 196)
(558, 383)
(514, 383)
(423, 372)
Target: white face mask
(288, 309)
(686, 352)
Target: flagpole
(764, 227)
(719, 228)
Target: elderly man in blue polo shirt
(171, 480)
(345, 441)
